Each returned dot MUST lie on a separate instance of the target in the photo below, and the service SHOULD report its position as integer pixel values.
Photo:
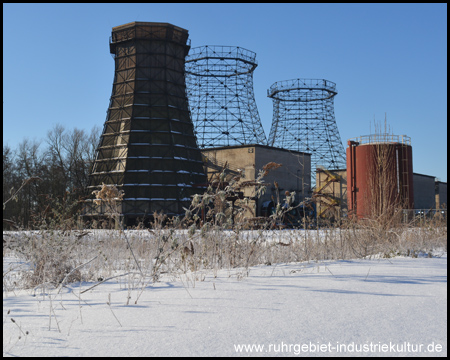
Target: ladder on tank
(404, 195)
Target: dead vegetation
(192, 245)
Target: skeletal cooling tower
(303, 120)
(221, 98)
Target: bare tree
(29, 164)
(62, 166)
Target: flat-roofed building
(294, 175)
(441, 195)
(424, 191)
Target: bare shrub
(221, 239)
(51, 259)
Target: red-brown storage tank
(379, 174)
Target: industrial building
(441, 194)
(294, 174)
(429, 192)
(424, 191)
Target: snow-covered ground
(387, 307)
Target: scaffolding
(221, 98)
(303, 120)
(147, 147)
(329, 193)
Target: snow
(360, 307)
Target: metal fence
(423, 215)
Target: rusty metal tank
(379, 174)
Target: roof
(256, 146)
(431, 176)
(144, 23)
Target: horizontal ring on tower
(302, 90)
(220, 61)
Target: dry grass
(188, 247)
(53, 255)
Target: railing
(221, 52)
(382, 138)
(303, 89)
(427, 213)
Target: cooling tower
(148, 148)
(221, 98)
(303, 120)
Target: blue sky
(384, 58)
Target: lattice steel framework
(303, 120)
(220, 91)
(148, 148)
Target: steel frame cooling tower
(220, 91)
(303, 120)
(148, 148)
